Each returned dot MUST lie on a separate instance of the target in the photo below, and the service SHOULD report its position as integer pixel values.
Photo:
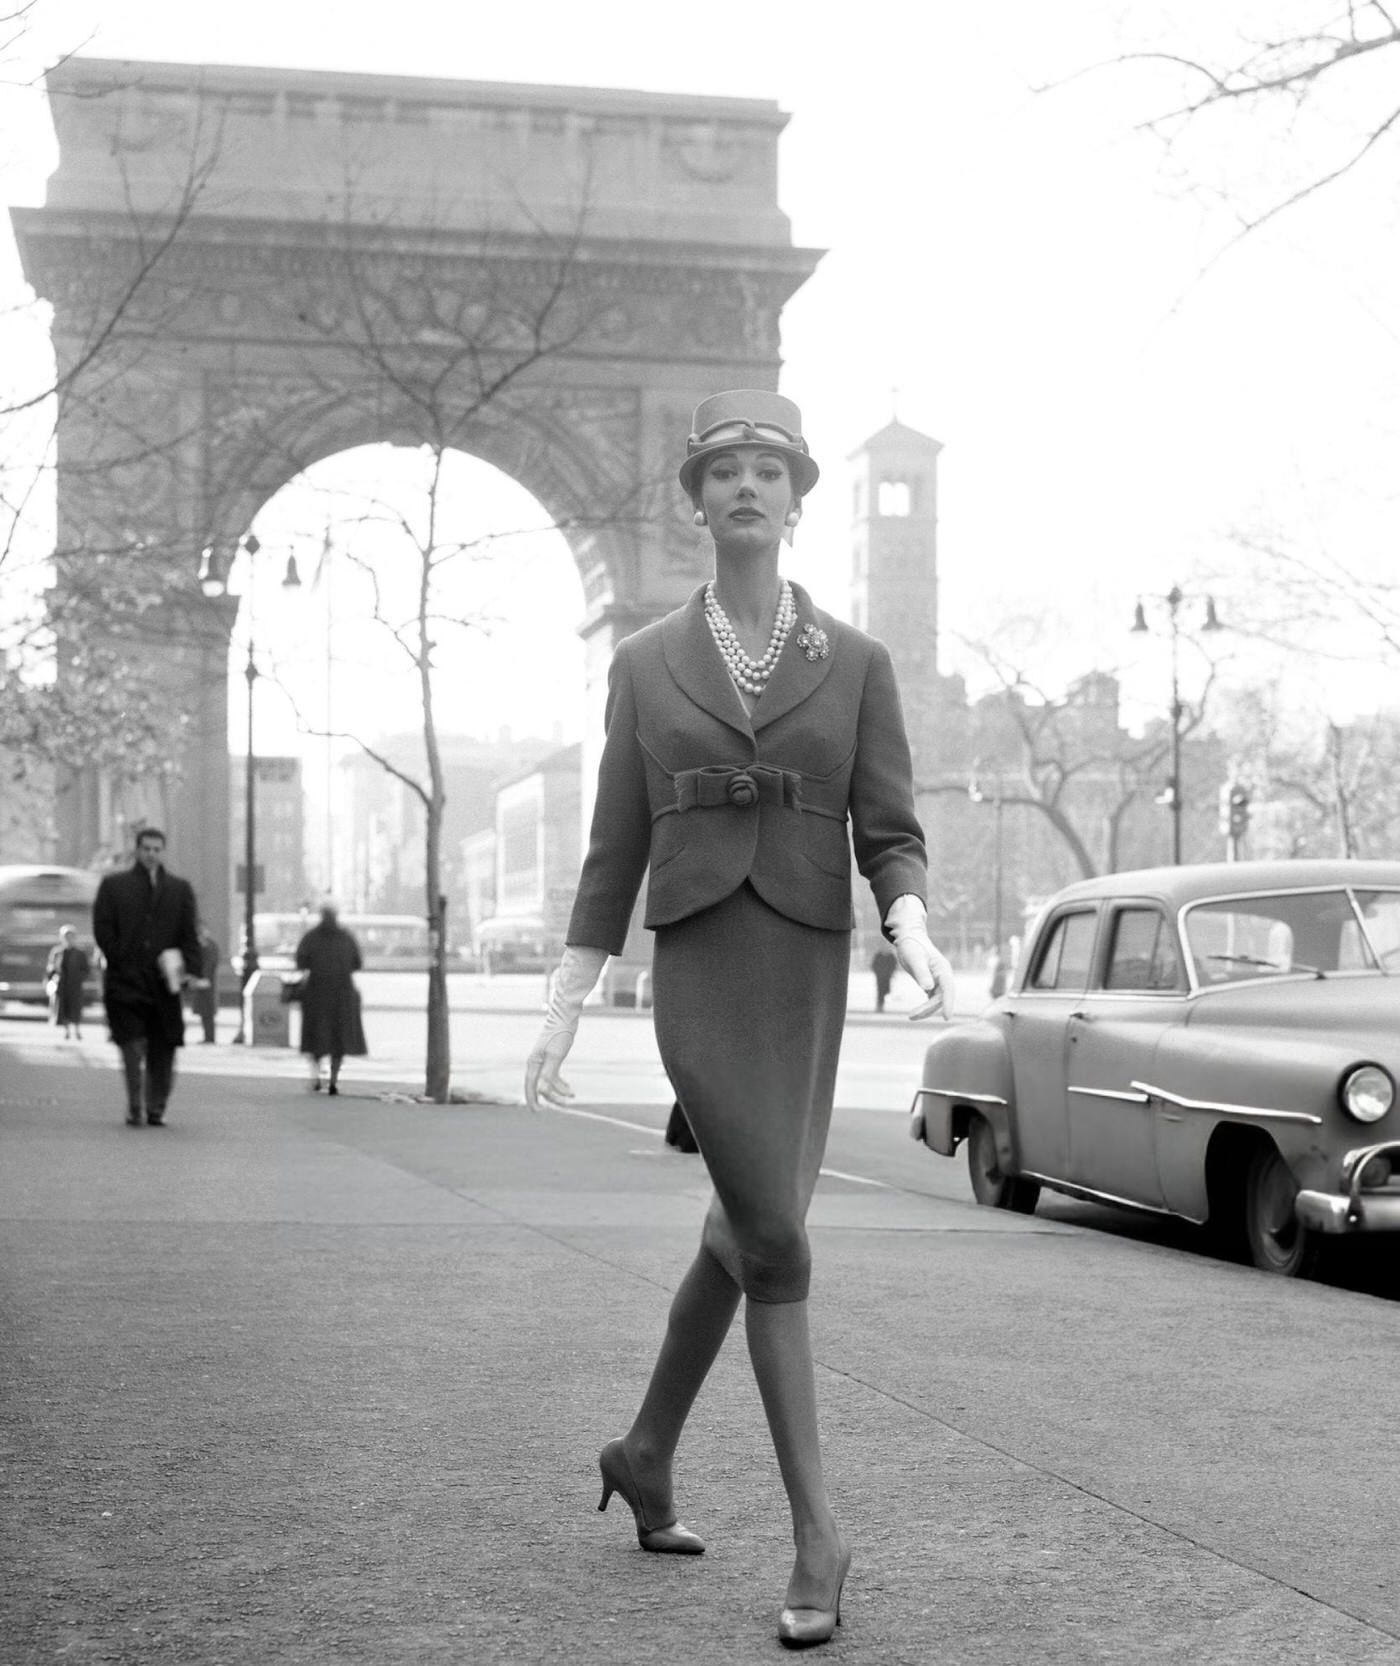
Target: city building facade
(279, 830)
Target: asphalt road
(324, 1381)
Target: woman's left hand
(931, 970)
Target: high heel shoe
(799, 1628)
(617, 1477)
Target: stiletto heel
(617, 1475)
(800, 1628)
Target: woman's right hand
(542, 1078)
(570, 988)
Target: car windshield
(1307, 933)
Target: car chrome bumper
(1354, 1210)
(1341, 1212)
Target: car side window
(1063, 962)
(1143, 955)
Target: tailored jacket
(707, 797)
(133, 921)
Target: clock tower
(894, 572)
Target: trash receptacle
(266, 1021)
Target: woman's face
(746, 494)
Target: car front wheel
(990, 1186)
(1277, 1240)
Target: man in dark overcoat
(884, 963)
(138, 915)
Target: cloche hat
(748, 416)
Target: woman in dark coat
(750, 739)
(68, 969)
(330, 1002)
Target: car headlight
(1367, 1092)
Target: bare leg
(336, 1059)
(780, 1347)
(701, 1313)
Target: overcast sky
(1021, 266)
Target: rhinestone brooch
(814, 643)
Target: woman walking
(330, 1003)
(66, 977)
(746, 732)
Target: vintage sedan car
(1219, 1043)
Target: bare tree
(1312, 97)
(1319, 787)
(1313, 601)
(1068, 760)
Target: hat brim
(801, 467)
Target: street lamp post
(214, 582)
(978, 796)
(250, 838)
(1172, 601)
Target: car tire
(1277, 1241)
(990, 1186)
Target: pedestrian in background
(143, 918)
(745, 733)
(204, 995)
(66, 974)
(882, 964)
(331, 1027)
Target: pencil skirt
(749, 1008)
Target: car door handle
(1083, 1017)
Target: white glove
(573, 984)
(932, 971)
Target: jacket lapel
(796, 676)
(694, 661)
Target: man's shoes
(156, 1119)
(133, 1118)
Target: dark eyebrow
(764, 455)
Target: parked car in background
(516, 943)
(1219, 1043)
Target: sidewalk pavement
(319, 1381)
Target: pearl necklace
(750, 675)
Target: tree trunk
(438, 1065)
(1336, 744)
(439, 1061)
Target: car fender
(967, 1069)
(1274, 1084)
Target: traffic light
(1234, 810)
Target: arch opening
(386, 541)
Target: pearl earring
(699, 517)
(793, 517)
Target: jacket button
(742, 790)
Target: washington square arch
(222, 246)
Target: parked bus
(34, 902)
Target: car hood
(1336, 1005)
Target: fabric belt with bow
(744, 786)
